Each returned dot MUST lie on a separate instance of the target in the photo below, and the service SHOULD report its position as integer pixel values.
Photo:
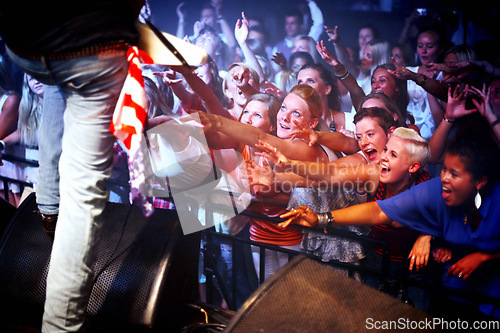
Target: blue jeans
(244, 271)
(91, 87)
(50, 144)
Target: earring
(477, 200)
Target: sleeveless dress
(326, 246)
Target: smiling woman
(300, 107)
(461, 207)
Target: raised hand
(402, 72)
(302, 216)
(260, 174)
(280, 59)
(437, 67)
(483, 105)
(333, 34)
(209, 121)
(269, 88)
(241, 29)
(449, 72)
(305, 133)
(241, 76)
(455, 108)
(326, 55)
(181, 13)
(197, 27)
(168, 77)
(347, 133)
(272, 154)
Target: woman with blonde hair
(301, 107)
(23, 142)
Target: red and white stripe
(128, 123)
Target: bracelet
(2, 144)
(324, 220)
(343, 77)
(343, 73)
(496, 122)
(449, 121)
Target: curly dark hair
(480, 155)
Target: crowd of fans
(315, 123)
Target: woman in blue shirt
(461, 207)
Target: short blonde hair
(416, 145)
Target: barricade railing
(211, 272)
(437, 290)
(7, 180)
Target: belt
(99, 48)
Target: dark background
(484, 13)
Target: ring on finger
(460, 274)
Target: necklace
(332, 122)
(473, 218)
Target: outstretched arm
(203, 91)
(241, 34)
(345, 77)
(322, 174)
(485, 107)
(181, 14)
(249, 135)
(9, 115)
(341, 51)
(468, 264)
(333, 140)
(455, 109)
(432, 86)
(363, 214)
(317, 20)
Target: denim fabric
(245, 276)
(50, 143)
(91, 86)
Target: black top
(54, 26)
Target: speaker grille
(146, 269)
(306, 296)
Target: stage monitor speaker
(308, 296)
(145, 275)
